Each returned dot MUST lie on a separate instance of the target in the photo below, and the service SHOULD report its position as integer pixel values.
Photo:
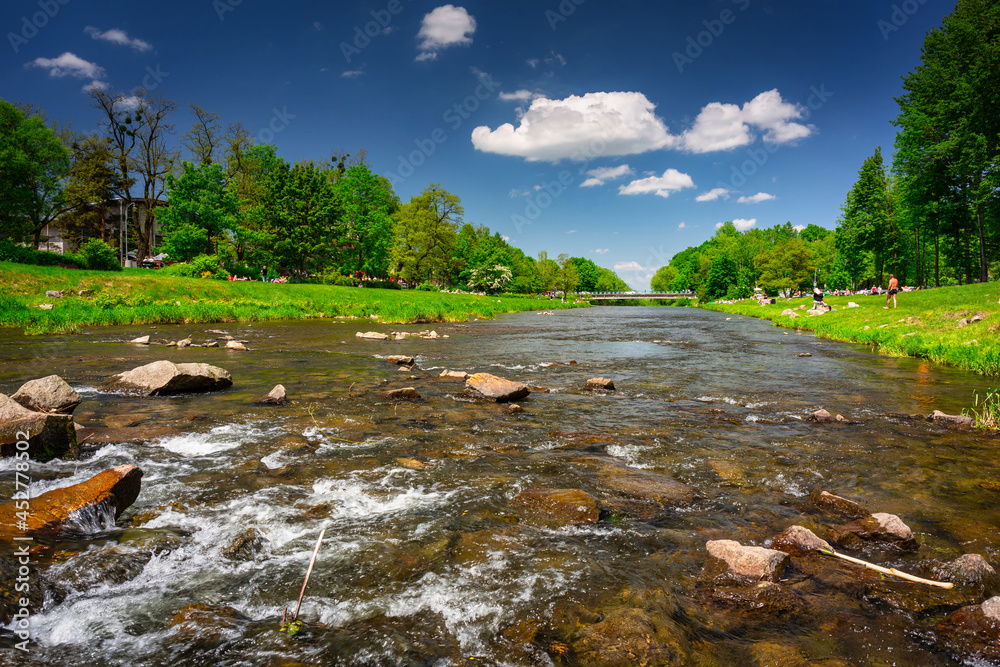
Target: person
(263, 274)
(893, 290)
(818, 304)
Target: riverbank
(957, 326)
(142, 296)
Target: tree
(664, 278)
(548, 270)
(205, 136)
(35, 162)
(307, 213)
(722, 275)
(202, 209)
(865, 230)
(786, 267)
(91, 185)
(365, 235)
(425, 232)
(568, 277)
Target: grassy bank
(142, 296)
(925, 325)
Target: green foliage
(365, 232)
(185, 242)
(428, 287)
(21, 254)
(380, 284)
(986, 410)
(99, 256)
(202, 266)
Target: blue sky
(619, 131)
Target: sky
(623, 132)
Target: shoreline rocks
(49, 436)
(165, 378)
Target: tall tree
(865, 228)
(199, 202)
(204, 139)
(365, 233)
(426, 228)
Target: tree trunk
(937, 261)
(983, 276)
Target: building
(53, 235)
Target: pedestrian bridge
(618, 296)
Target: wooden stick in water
(308, 572)
(888, 570)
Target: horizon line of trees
(932, 216)
(241, 202)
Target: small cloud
(572, 231)
(799, 228)
(519, 96)
(604, 174)
(602, 251)
(351, 74)
(69, 64)
(671, 181)
(756, 199)
(713, 194)
(533, 62)
(743, 225)
(443, 27)
(120, 37)
(555, 58)
(683, 225)
(519, 193)
(95, 85)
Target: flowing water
(425, 560)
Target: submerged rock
(371, 335)
(48, 436)
(601, 383)
(939, 417)
(111, 491)
(968, 570)
(879, 528)
(406, 393)
(629, 638)
(729, 562)
(48, 394)
(247, 546)
(798, 540)
(557, 507)
(974, 631)
(827, 501)
(648, 485)
(101, 566)
(496, 389)
(164, 378)
(275, 397)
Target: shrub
(99, 256)
(338, 280)
(428, 287)
(20, 254)
(202, 266)
(380, 284)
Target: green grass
(925, 325)
(142, 296)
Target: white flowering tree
(492, 281)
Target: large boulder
(879, 529)
(48, 436)
(973, 632)
(164, 378)
(968, 570)
(557, 507)
(729, 562)
(496, 389)
(48, 394)
(111, 491)
(371, 335)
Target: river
(425, 561)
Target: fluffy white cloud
(671, 181)
(128, 102)
(95, 85)
(602, 251)
(756, 199)
(683, 225)
(799, 228)
(69, 64)
(581, 127)
(605, 174)
(120, 37)
(725, 126)
(742, 224)
(713, 194)
(443, 27)
(629, 266)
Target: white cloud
(555, 58)
(518, 96)
(713, 194)
(604, 174)
(533, 62)
(742, 224)
(572, 231)
(519, 193)
(351, 73)
(505, 238)
(683, 225)
(95, 85)
(671, 181)
(128, 102)
(602, 251)
(629, 266)
(120, 37)
(725, 126)
(589, 126)
(756, 199)
(799, 228)
(69, 64)
(443, 27)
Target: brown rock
(400, 360)
(496, 389)
(234, 345)
(112, 490)
(141, 340)
(275, 397)
(974, 631)
(601, 383)
(246, 547)
(880, 528)
(827, 501)
(48, 436)
(164, 378)
(457, 375)
(48, 394)
(970, 569)
(729, 562)
(654, 486)
(629, 638)
(557, 507)
(805, 354)
(406, 393)
(823, 417)
(514, 409)
(371, 335)
(939, 417)
(797, 541)
(184, 342)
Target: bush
(338, 280)
(241, 270)
(380, 284)
(20, 254)
(99, 256)
(202, 266)
(428, 287)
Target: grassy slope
(145, 297)
(924, 325)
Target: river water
(425, 561)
